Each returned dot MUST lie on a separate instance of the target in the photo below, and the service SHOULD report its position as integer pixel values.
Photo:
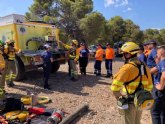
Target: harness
(72, 53)
(142, 99)
(7, 55)
(142, 71)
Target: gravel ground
(69, 95)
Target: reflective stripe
(7, 78)
(72, 57)
(115, 87)
(148, 87)
(117, 82)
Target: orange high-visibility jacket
(109, 53)
(99, 54)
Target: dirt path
(69, 95)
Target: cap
(107, 44)
(82, 44)
(152, 42)
(47, 46)
(146, 43)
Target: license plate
(38, 63)
(37, 58)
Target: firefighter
(2, 76)
(129, 72)
(73, 58)
(47, 60)
(109, 57)
(11, 52)
(158, 110)
(98, 60)
(2, 66)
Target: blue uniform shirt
(161, 68)
(151, 58)
(142, 58)
(84, 52)
(46, 56)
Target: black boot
(73, 79)
(98, 74)
(11, 84)
(108, 75)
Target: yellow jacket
(127, 73)
(2, 61)
(11, 53)
(73, 53)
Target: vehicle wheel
(55, 67)
(19, 69)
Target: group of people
(109, 57)
(81, 54)
(141, 80)
(142, 73)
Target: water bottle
(56, 117)
(34, 99)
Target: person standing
(152, 56)
(73, 58)
(158, 110)
(141, 55)
(146, 49)
(10, 52)
(130, 72)
(98, 60)
(47, 62)
(83, 59)
(2, 76)
(109, 57)
(2, 66)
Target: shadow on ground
(59, 82)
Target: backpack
(143, 99)
(12, 104)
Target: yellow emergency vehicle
(30, 37)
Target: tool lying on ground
(27, 100)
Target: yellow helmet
(75, 42)
(130, 47)
(9, 41)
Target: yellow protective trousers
(2, 79)
(10, 67)
(130, 115)
(73, 68)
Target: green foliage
(155, 34)
(92, 27)
(66, 14)
(77, 20)
(132, 32)
(116, 28)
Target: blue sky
(145, 13)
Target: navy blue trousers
(158, 110)
(97, 67)
(47, 71)
(83, 62)
(108, 65)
